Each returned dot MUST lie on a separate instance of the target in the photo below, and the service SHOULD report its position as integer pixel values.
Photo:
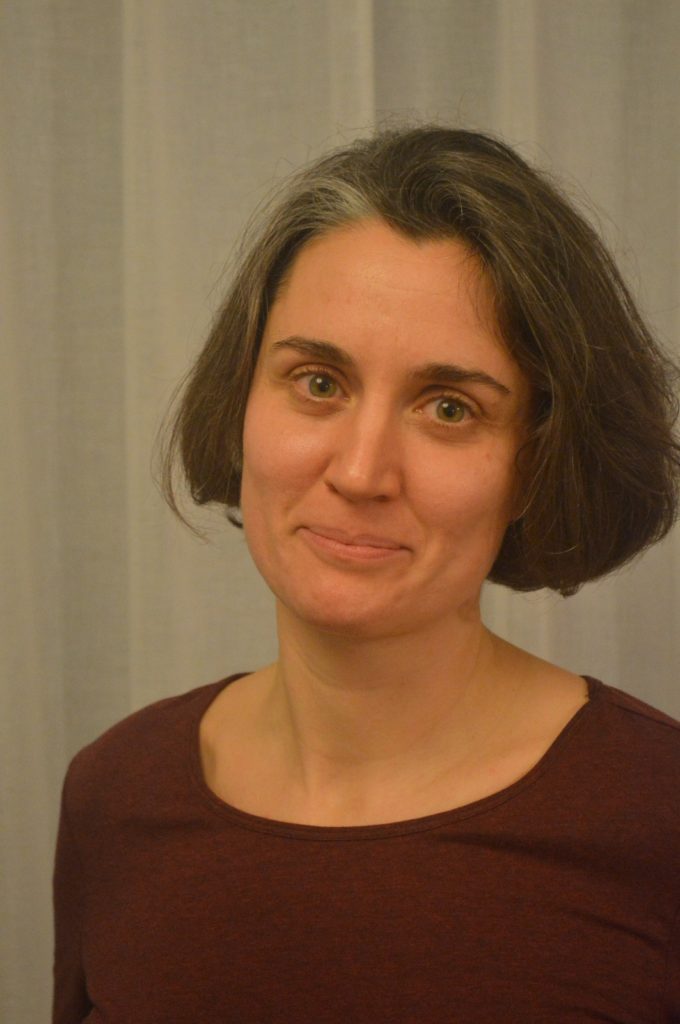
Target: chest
(246, 772)
(448, 926)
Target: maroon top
(555, 899)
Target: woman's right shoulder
(138, 744)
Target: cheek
(277, 455)
(465, 495)
(280, 464)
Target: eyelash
(318, 371)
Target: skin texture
(387, 681)
(376, 454)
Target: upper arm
(70, 1004)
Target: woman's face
(380, 434)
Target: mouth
(368, 547)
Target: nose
(365, 461)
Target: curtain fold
(137, 136)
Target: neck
(355, 717)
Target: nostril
(357, 488)
(365, 463)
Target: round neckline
(339, 833)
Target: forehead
(370, 257)
(370, 262)
(367, 288)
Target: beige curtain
(137, 135)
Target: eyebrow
(436, 373)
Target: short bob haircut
(600, 468)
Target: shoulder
(143, 746)
(636, 719)
(633, 750)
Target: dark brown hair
(600, 469)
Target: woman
(427, 373)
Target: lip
(336, 544)
(360, 540)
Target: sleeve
(70, 1004)
(672, 997)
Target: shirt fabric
(554, 900)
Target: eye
(321, 385)
(450, 410)
(315, 384)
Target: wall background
(136, 138)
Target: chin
(355, 629)
(334, 614)
(346, 615)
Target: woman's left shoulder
(636, 745)
(633, 713)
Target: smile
(360, 548)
